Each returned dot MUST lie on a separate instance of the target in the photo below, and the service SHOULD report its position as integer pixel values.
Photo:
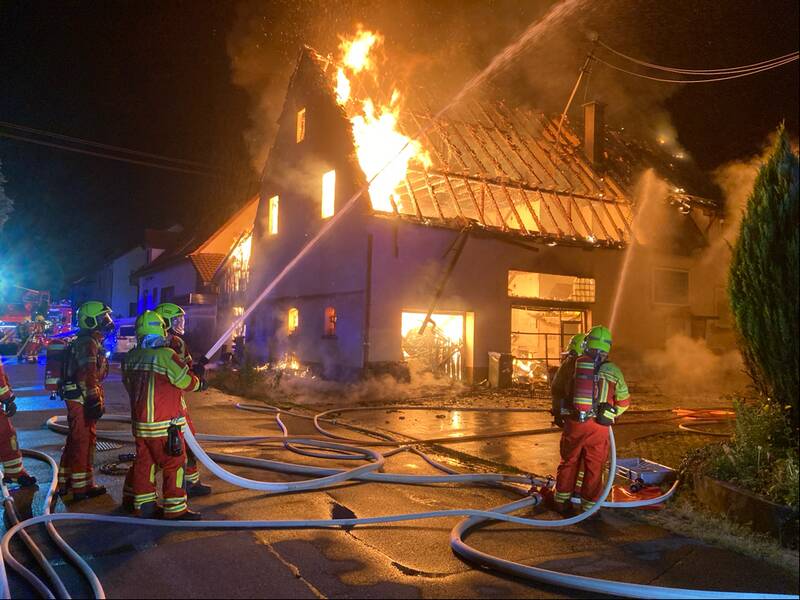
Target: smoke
(444, 44)
(688, 367)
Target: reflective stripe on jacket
(5, 387)
(155, 379)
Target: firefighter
(561, 388)
(85, 367)
(599, 396)
(155, 378)
(175, 319)
(10, 456)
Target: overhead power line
(706, 80)
(720, 71)
(103, 146)
(109, 156)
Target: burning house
(493, 229)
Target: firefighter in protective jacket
(84, 369)
(10, 456)
(599, 396)
(175, 318)
(155, 378)
(561, 388)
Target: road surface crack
(295, 570)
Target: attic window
(292, 320)
(272, 215)
(328, 194)
(301, 125)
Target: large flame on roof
(383, 151)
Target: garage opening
(441, 348)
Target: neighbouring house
(509, 236)
(186, 275)
(112, 282)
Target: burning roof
(483, 164)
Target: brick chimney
(593, 126)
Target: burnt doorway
(443, 347)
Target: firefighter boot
(149, 510)
(92, 492)
(24, 480)
(189, 515)
(194, 490)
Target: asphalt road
(407, 560)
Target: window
(301, 125)
(272, 215)
(292, 320)
(241, 329)
(544, 286)
(671, 286)
(132, 309)
(167, 293)
(328, 194)
(330, 322)
(155, 296)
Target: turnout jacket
(86, 367)
(155, 379)
(5, 387)
(604, 384)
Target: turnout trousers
(140, 483)
(76, 471)
(582, 442)
(10, 455)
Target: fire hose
(330, 477)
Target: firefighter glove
(199, 369)
(605, 414)
(93, 408)
(558, 420)
(203, 384)
(10, 406)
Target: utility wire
(108, 156)
(104, 146)
(721, 71)
(710, 80)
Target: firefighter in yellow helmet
(599, 396)
(155, 378)
(175, 319)
(85, 368)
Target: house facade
(509, 240)
(187, 275)
(113, 282)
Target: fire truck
(18, 309)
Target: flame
(355, 51)
(383, 151)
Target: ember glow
(384, 152)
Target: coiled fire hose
(328, 477)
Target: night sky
(203, 81)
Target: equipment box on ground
(647, 471)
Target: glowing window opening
(292, 320)
(272, 215)
(301, 125)
(330, 321)
(546, 286)
(328, 194)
